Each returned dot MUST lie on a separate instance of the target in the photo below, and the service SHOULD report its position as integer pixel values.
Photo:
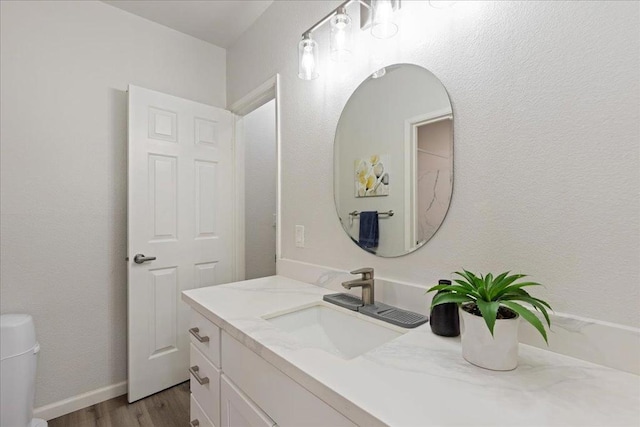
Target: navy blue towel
(368, 229)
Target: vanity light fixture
(379, 73)
(379, 15)
(441, 4)
(382, 25)
(308, 58)
(340, 39)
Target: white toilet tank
(18, 354)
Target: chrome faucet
(366, 282)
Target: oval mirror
(393, 160)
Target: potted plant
(490, 315)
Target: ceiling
(220, 22)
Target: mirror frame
(405, 154)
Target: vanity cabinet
(204, 368)
(205, 384)
(198, 416)
(238, 410)
(205, 336)
(244, 390)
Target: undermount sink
(343, 333)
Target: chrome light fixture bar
(378, 14)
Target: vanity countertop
(419, 378)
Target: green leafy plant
(489, 293)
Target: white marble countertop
(420, 379)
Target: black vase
(444, 318)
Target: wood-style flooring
(169, 408)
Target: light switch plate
(300, 236)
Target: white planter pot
(498, 352)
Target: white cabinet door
(198, 416)
(237, 410)
(205, 384)
(205, 336)
(180, 211)
(286, 401)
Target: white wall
(65, 67)
(259, 137)
(546, 140)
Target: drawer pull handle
(195, 333)
(195, 371)
(195, 423)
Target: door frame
(267, 91)
(411, 126)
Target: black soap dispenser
(444, 317)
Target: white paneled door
(180, 227)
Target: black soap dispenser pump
(444, 317)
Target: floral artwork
(371, 177)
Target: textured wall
(547, 162)
(65, 67)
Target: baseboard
(66, 406)
(604, 343)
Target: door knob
(140, 258)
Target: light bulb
(307, 58)
(382, 25)
(340, 39)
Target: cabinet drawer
(286, 401)
(205, 336)
(208, 393)
(237, 410)
(197, 417)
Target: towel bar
(389, 213)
